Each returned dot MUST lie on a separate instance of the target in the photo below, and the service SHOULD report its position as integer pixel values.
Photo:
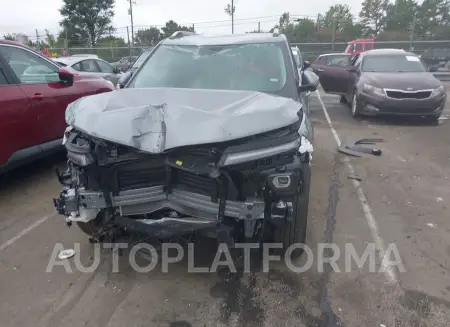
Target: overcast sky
(27, 15)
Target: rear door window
(29, 67)
(89, 66)
(104, 67)
(337, 60)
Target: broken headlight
(245, 156)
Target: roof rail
(179, 34)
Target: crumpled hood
(158, 119)
(402, 81)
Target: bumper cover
(371, 104)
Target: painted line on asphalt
(24, 232)
(370, 219)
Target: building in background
(21, 38)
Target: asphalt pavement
(399, 200)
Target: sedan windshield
(253, 67)
(392, 64)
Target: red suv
(34, 94)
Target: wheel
(355, 105)
(342, 99)
(294, 230)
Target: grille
(133, 178)
(408, 95)
(194, 183)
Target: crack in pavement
(330, 319)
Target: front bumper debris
(83, 205)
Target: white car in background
(92, 66)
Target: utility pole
(232, 16)
(411, 35)
(66, 41)
(259, 27)
(333, 34)
(38, 47)
(129, 44)
(230, 9)
(193, 27)
(130, 12)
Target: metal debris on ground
(356, 177)
(354, 148)
(66, 254)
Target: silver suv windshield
(255, 67)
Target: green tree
(338, 17)
(399, 15)
(9, 37)
(171, 27)
(148, 36)
(373, 16)
(432, 17)
(303, 30)
(88, 18)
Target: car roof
(85, 55)
(334, 54)
(377, 52)
(73, 60)
(200, 39)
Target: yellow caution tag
(179, 162)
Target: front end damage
(232, 189)
(211, 187)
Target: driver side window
(357, 62)
(29, 67)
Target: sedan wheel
(355, 105)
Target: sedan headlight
(241, 157)
(374, 90)
(438, 91)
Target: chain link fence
(310, 50)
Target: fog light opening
(282, 181)
(372, 108)
(281, 205)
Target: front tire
(355, 107)
(294, 230)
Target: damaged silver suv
(210, 134)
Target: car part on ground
(354, 148)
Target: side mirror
(432, 69)
(306, 65)
(116, 70)
(66, 75)
(310, 82)
(124, 80)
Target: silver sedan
(91, 66)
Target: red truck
(34, 94)
(355, 47)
